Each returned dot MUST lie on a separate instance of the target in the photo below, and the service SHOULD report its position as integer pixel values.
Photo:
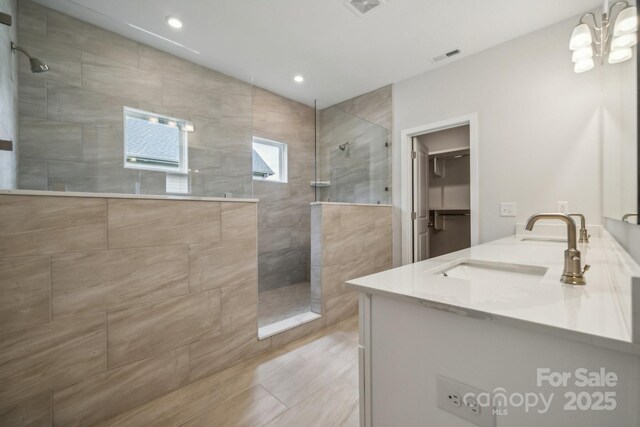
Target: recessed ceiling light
(298, 78)
(174, 22)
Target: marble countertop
(599, 313)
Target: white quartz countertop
(599, 312)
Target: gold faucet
(584, 236)
(573, 273)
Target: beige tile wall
(283, 212)
(106, 304)
(347, 242)
(71, 118)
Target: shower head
(37, 66)
(344, 146)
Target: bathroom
(234, 214)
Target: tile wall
(361, 173)
(283, 212)
(106, 303)
(347, 242)
(71, 118)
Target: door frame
(406, 177)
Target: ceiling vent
(447, 55)
(361, 7)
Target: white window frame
(181, 124)
(284, 166)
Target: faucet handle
(586, 268)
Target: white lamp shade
(620, 55)
(581, 37)
(626, 22)
(584, 65)
(582, 53)
(627, 40)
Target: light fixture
(581, 37)
(583, 65)
(298, 78)
(189, 127)
(582, 53)
(627, 40)
(174, 22)
(626, 22)
(620, 55)
(613, 35)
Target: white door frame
(406, 177)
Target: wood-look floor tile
(210, 355)
(247, 374)
(46, 225)
(173, 408)
(91, 282)
(141, 223)
(254, 407)
(50, 355)
(333, 405)
(301, 378)
(106, 395)
(33, 411)
(142, 331)
(24, 291)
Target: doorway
(439, 189)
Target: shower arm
(15, 47)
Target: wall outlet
(458, 399)
(563, 207)
(508, 209)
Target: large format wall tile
(25, 286)
(45, 139)
(224, 264)
(75, 105)
(33, 411)
(239, 221)
(108, 77)
(111, 393)
(65, 29)
(141, 331)
(106, 280)
(51, 355)
(239, 306)
(140, 223)
(45, 225)
(213, 354)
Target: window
(269, 160)
(155, 142)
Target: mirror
(620, 140)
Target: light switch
(508, 209)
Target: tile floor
(282, 303)
(310, 382)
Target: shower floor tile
(282, 303)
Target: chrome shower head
(344, 146)
(37, 66)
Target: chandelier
(613, 38)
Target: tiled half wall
(347, 241)
(107, 303)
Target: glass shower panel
(353, 164)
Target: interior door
(420, 162)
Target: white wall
(8, 96)
(539, 126)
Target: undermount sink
(491, 272)
(543, 239)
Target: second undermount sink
(543, 240)
(491, 272)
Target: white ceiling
(341, 55)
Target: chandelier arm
(593, 17)
(618, 3)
